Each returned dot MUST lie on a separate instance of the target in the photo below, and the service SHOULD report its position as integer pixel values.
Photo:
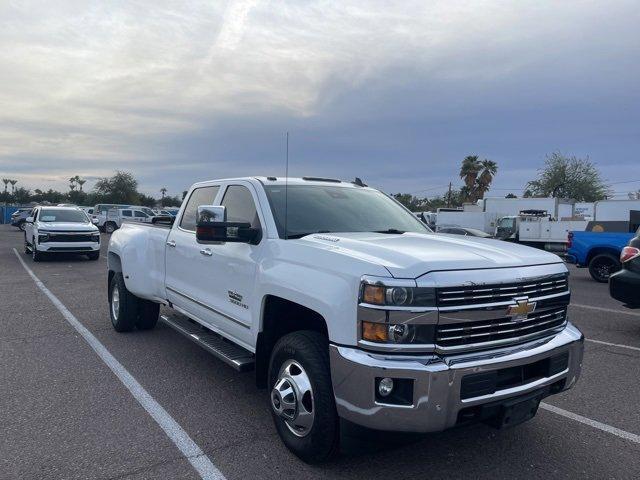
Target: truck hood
(412, 255)
(67, 227)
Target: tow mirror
(29, 220)
(212, 227)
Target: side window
(126, 213)
(240, 205)
(200, 196)
(137, 213)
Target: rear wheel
(602, 266)
(123, 305)
(109, 227)
(301, 398)
(148, 313)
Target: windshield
(329, 209)
(506, 222)
(53, 215)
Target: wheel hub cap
(115, 302)
(292, 398)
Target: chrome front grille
(505, 330)
(501, 292)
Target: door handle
(171, 243)
(206, 251)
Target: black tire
(148, 313)
(110, 227)
(27, 251)
(123, 310)
(602, 266)
(36, 256)
(94, 255)
(311, 351)
(22, 226)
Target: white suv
(60, 230)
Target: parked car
(347, 306)
(469, 232)
(625, 284)
(51, 230)
(117, 216)
(599, 251)
(19, 217)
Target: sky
(394, 92)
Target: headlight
(43, 237)
(397, 333)
(374, 294)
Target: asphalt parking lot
(64, 414)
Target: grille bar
(474, 295)
(469, 334)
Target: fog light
(385, 387)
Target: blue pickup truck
(599, 251)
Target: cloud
(395, 92)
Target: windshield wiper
(390, 231)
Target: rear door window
(200, 196)
(126, 213)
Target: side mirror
(212, 227)
(29, 220)
(94, 221)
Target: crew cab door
(232, 288)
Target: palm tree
(469, 170)
(72, 183)
(489, 169)
(6, 182)
(13, 185)
(163, 191)
(80, 181)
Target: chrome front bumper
(437, 381)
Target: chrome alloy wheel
(115, 302)
(292, 398)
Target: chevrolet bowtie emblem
(521, 309)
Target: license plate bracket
(516, 411)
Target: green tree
(510, 195)
(469, 171)
(489, 168)
(411, 202)
(120, 188)
(163, 192)
(568, 177)
(146, 200)
(21, 196)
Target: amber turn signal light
(373, 294)
(374, 332)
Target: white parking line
(592, 423)
(603, 309)
(174, 431)
(613, 344)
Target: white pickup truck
(349, 307)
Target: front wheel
(36, 256)
(602, 266)
(94, 255)
(301, 398)
(22, 226)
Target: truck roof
(273, 180)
